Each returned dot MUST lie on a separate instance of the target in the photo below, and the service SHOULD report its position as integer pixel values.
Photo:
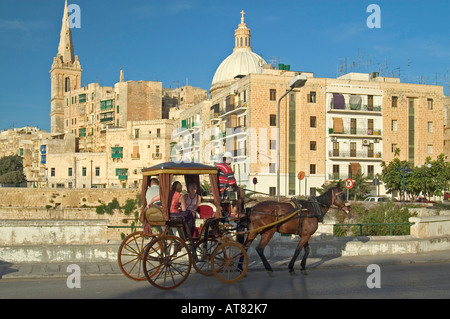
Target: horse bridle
(342, 197)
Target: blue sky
(180, 41)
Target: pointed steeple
(65, 48)
(65, 74)
(121, 75)
(242, 35)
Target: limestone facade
(330, 128)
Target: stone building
(106, 135)
(329, 129)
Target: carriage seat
(154, 215)
(205, 210)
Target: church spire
(242, 35)
(65, 75)
(65, 48)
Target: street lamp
(297, 82)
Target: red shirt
(226, 176)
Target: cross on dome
(242, 18)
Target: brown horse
(304, 223)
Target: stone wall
(63, 197)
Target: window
(312, 97)
(352, 149)
(335, 171)
(272, 168)
(273, 120)
(370, 171)
(272, 191)
(352, 126)
(52, 171)
(273, 144)
(394, 101)
(335, 148)
(273, 94)
(430, 127)
(312, 146)
(394, 125)
(312, 168)
(393, 147)
(67, 86)
(136, 133)
(83, 171)
(370, 102)
(97, 171)
(430, 104)
(430, 149)
(312, 121)
(370, 127)
(69, 172)
(158, 132)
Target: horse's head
(339, 200)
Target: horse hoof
(304, 272)
(292, 272)
(270, 273)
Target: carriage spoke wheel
(130, 255)
(225, 262)
(203, 263)
(167, 262)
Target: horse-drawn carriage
(165, 259)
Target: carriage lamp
(297, 81)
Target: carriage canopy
(191, 171)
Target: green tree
(11, 170)
(392, 175)
(360, 187)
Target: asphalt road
(394, 281)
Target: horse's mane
(325, 198)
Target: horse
(263, 219)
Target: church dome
(242, 61)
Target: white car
(377, 199)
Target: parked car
(376, 199)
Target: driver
(227, 181)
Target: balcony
(350, 108)
(117, 152)
(122, 173)
(355, 131)
(361, 155)
(233, 109)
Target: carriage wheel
(131, 253)
(167, 262)
(203, 263)
(225, 262)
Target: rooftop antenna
(274, 61)
(409, 74)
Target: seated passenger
(178, 206)
(192, 199)
(152, 193)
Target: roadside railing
(372, 229)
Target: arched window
(67, 84)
